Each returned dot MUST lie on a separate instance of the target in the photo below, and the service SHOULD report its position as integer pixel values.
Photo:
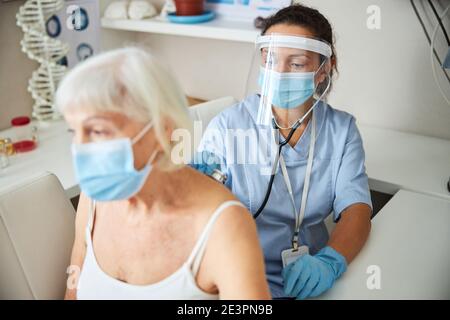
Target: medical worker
(293, 160)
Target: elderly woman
(146, 227)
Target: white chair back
(37, 226)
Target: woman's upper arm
(352, 182)
(79, 247)
(239, 271)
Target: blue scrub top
(338, 177)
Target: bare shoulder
(207, 187)
(211, 195)
(233, 261)
(235, 220)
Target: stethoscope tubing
(281, 144)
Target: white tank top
(96, 284)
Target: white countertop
(52, 155)
(409, 242)
(397, 160)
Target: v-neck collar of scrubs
(300, 150)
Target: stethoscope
(281, 144)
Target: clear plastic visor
(289, 73)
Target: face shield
(291, 74)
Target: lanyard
(300, 215)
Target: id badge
(289, 255)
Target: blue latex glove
(310, 276)
(205, 162)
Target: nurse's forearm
(351, 231)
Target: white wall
(111, 39)
(385, 77)
(15, 67)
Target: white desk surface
(397, 160)
(394, 161)
(409, 241)
(52, 154)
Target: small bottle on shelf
(25, 137)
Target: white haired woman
(148, 228)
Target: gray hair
(129, 81)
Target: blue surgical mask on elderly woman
(105, 170)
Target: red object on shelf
(20, 121)
(189, 7)
(24, 146)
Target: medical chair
(206, 111)
(37, 226)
